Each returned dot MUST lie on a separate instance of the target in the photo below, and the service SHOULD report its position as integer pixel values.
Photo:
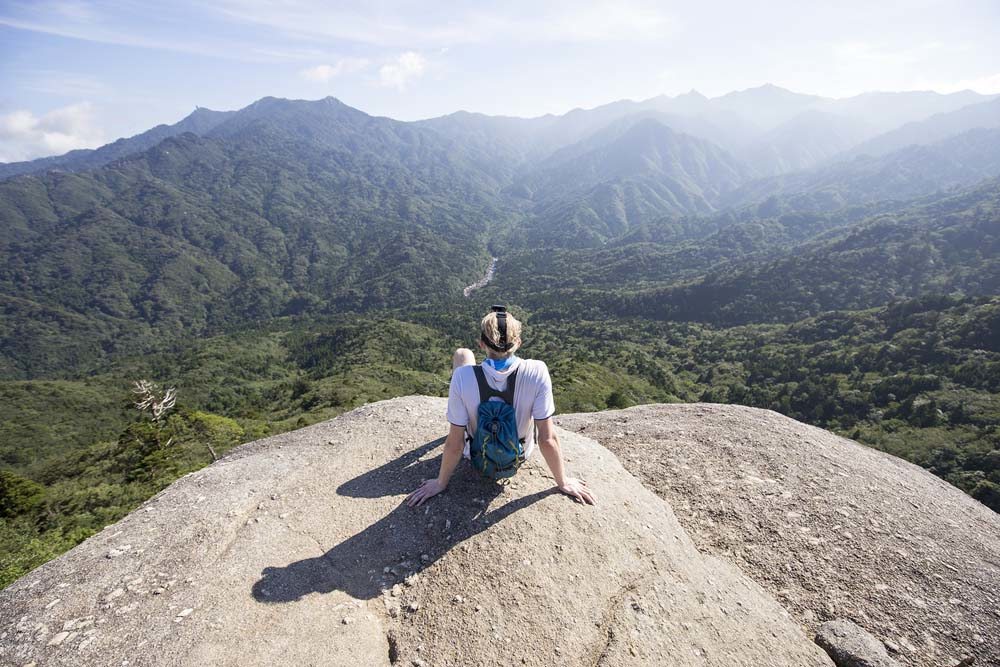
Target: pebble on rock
(58, 639)
(850, 645)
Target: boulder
(831, 528)
(297, 550)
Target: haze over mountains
(745, 120)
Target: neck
(500, 363)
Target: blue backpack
(495, 450)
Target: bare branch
(150, 400)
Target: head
(491, 334)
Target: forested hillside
(284, 263)
(949, 247)
(622, 179)
(913, 171)
(336, 210)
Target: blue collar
(500, 364)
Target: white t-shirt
(532, 397)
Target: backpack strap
(508, 394)
(486, 392)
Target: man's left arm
(548, 443)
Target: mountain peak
(201, 120)
(271, 102)
(767, 90)
(691, 95)
(304, 117)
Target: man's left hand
(578, 491)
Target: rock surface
(850, 646)
(295, 550)
(831, 528)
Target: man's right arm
(453, 446)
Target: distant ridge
(913, 170)
(739, 118)
(199, 122)
(933, 129)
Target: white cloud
(25, 136)
(427, 26)
(324, 73)
(403, 70)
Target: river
(482, 282)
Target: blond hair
(491, 333)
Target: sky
(78, 74)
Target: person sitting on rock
(532, 402)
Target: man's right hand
(428, 489)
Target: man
(533, 406)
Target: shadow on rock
(405, 541)
(400, 475)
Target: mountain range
(286, 207)
(757, 119)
